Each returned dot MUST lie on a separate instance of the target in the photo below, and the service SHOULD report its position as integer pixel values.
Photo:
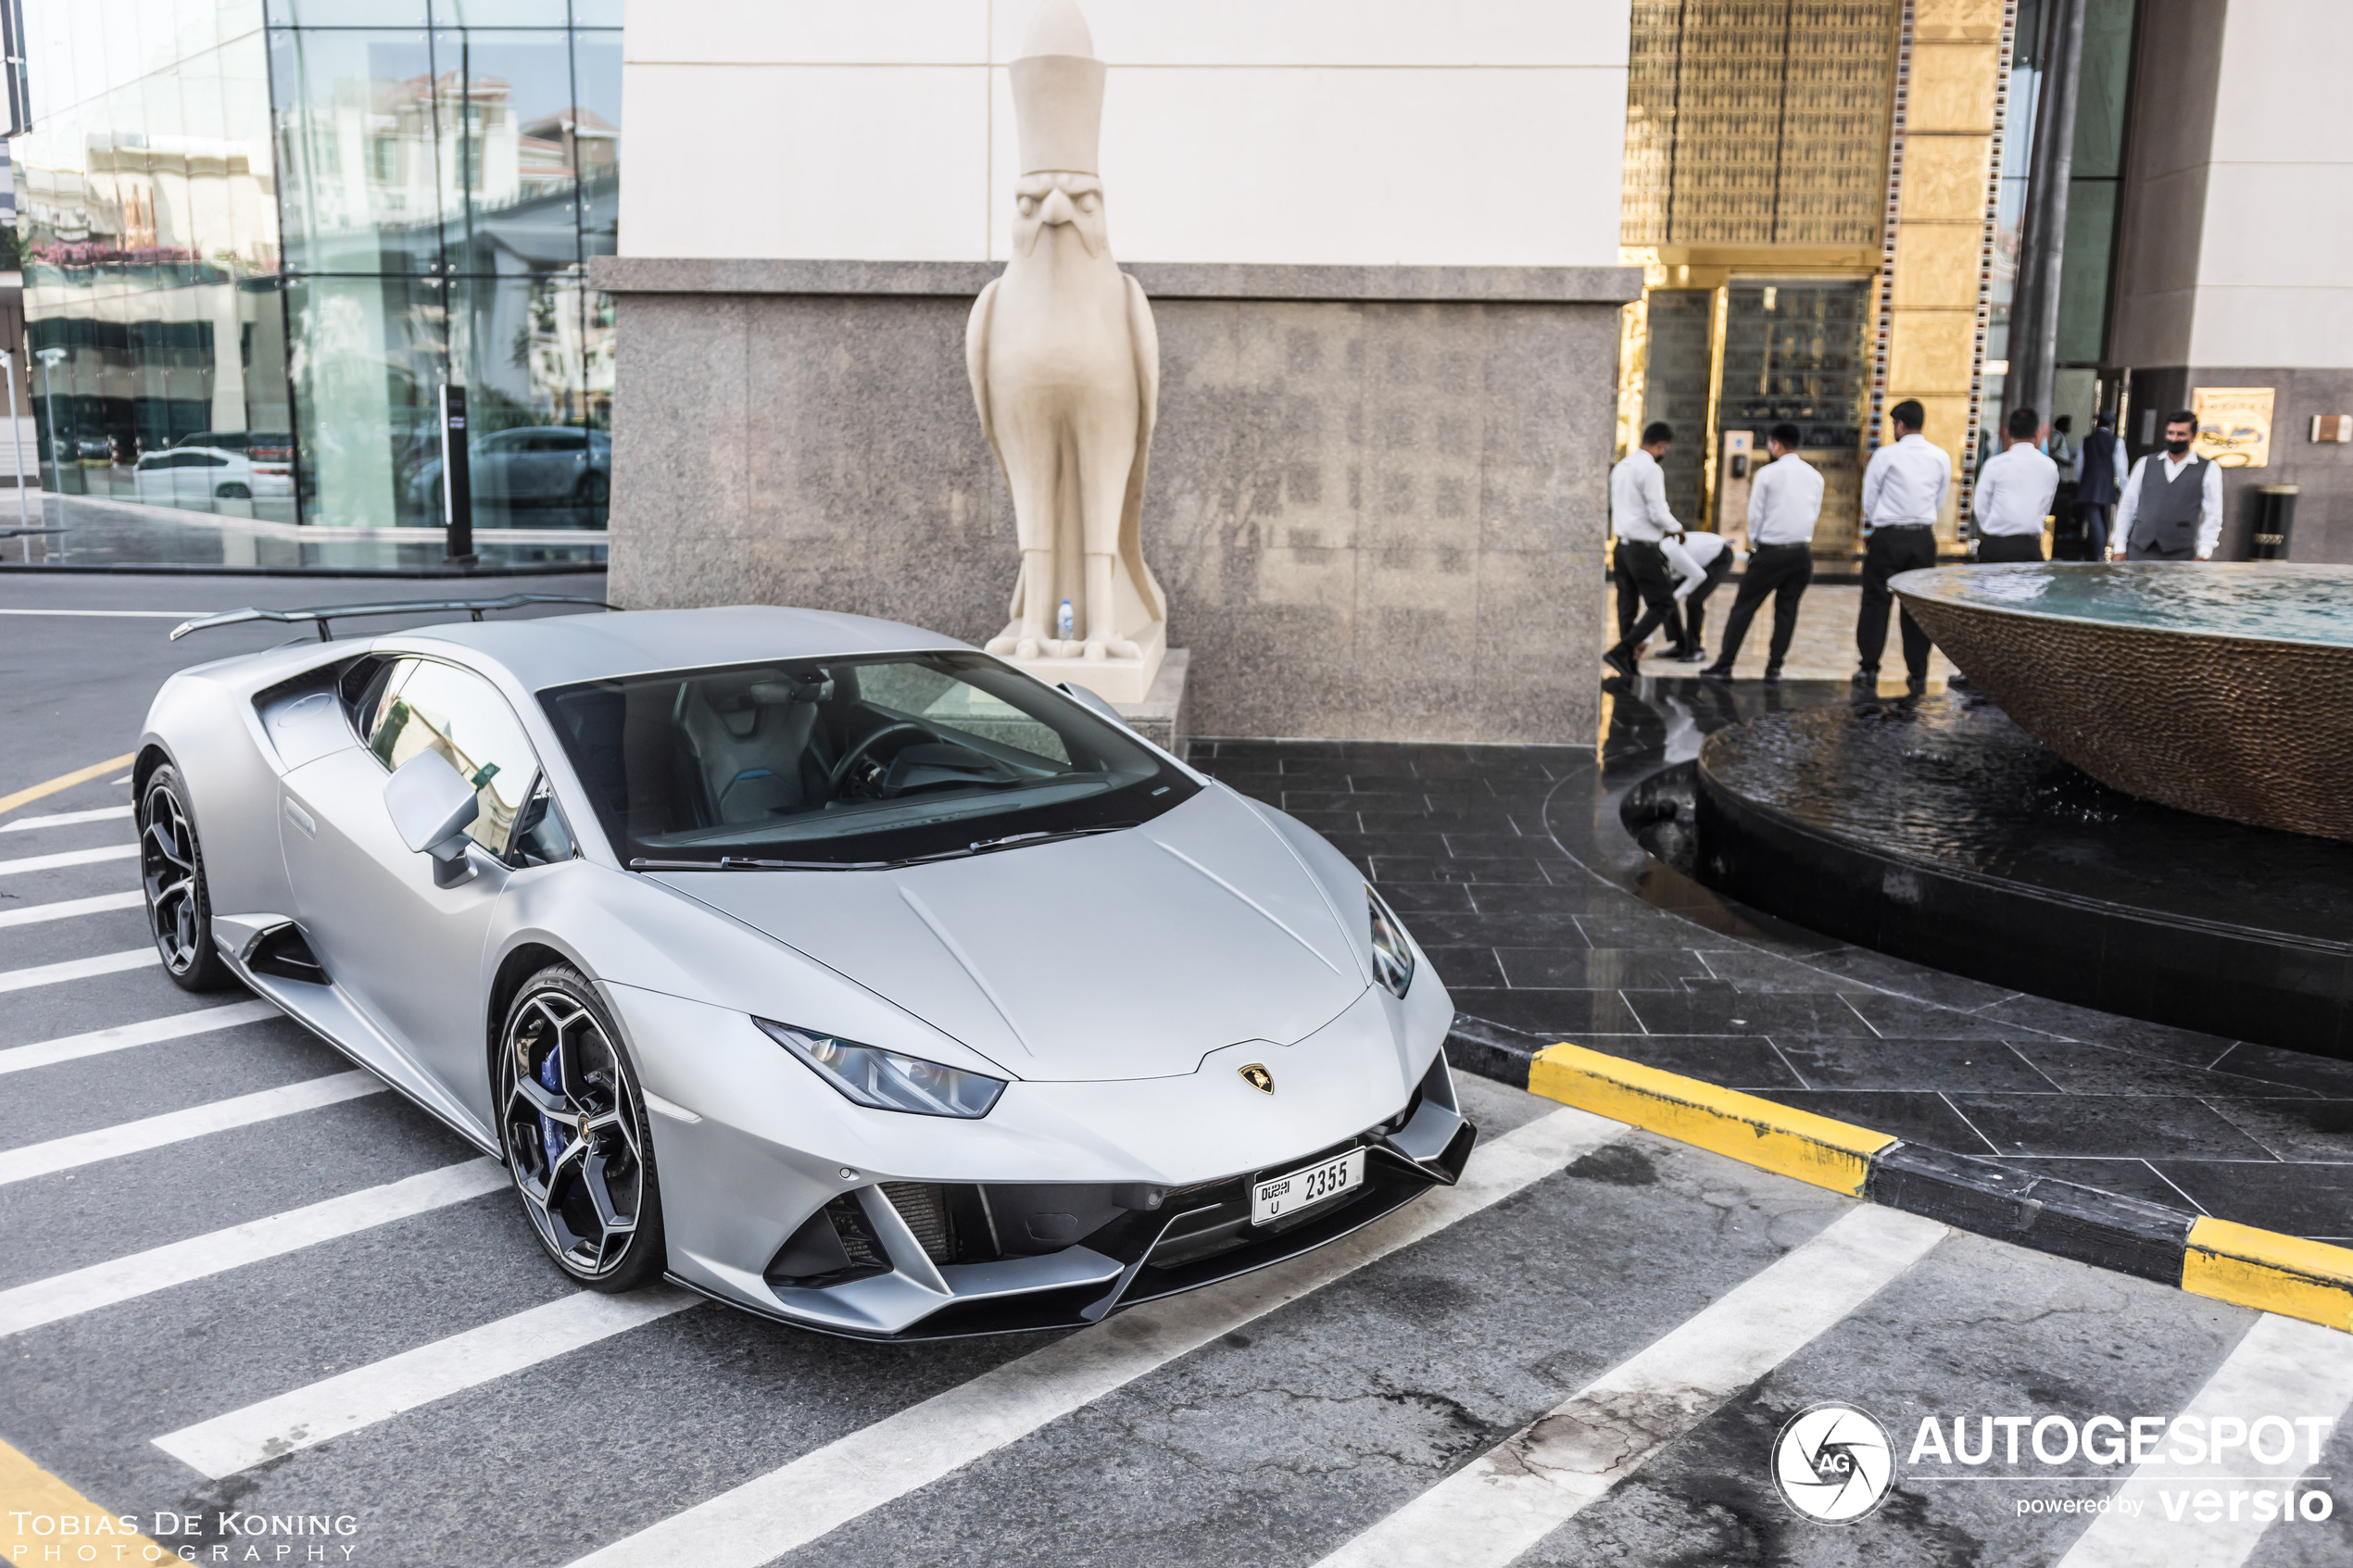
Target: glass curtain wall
(259, 235)
(2102, 97)
(448, 168)
(149, 234)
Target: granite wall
(1377, 496)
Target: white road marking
(153, 1132)
(78, 969)
(159, 1268)
(67, 818)
(34, 914)
(97, 1042)
(367, 1395)
(788, 1507)
(2295, 1370)
(69, 858)
(1511, 1496)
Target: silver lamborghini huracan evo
(826, 966)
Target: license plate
(1278, 1196)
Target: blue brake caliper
(551, 1079)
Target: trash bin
(2274, 518)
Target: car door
(411, 954)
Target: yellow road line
(1773, 1137)
(66, 781)
(2264, 1269)
(36, 1499)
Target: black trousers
(1779, 572)
(1995, 548)
(1646, 565)
(2092, 517)
(1889, 551)
(1695, 602)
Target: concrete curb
(2217, 1258)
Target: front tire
(572, 1121)
(172, 874)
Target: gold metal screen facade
(1757, 122)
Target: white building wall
(2273, 286)
(1333, 132)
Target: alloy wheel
(169, 871)
(571, 1129)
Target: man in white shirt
(1784, 502)
(1903, 491)
(1638, 515)
(2014, 494)
(2172, 506)
(1699, 562)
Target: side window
(440, 708)
(376, 730)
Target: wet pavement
(96, 533)
(1549, 921)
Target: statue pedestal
(1117, 680)
(1161, 718)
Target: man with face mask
(2172, 504)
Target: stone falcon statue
(1066, 370)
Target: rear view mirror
(432, 805)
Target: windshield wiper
(1014, 841)
(979, 846)
(745, 863)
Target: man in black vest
(2172, 506)
(2099, 483)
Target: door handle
(301, 818)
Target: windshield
(848, 761)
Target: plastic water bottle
(1065, 624)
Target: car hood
(1127, 955)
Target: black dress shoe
(1773, 674)
(1616, 659)
(1917, 684)
(1692, 657)
(1867, 679)
(1713, 673)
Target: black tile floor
(1548, 921)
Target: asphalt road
(237, 1280)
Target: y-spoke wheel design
(575, 1134)
(171, 873)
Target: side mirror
(432, 805)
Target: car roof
(557, 650)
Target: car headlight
(1393, 955)
(886, 1080)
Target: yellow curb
(2273, 1272)
(34, 1497)
(1773, 1137)
(66, 781)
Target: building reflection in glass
(249, 265)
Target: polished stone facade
(1376, 499)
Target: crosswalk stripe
(367, 1395)
(2295, 1370)
(34, 914)
(1510, 1498)
(153, 1132)
(788, 1507)
(69, 858)
(65, 819)
(159, 1268)
(78, 969)
(97, 1042)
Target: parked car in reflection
(531, 465)
(261, 445)
(178, 475)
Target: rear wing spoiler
(325, 613)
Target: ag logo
(1258, 1078)
(1833, 1463)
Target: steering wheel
(856, 753)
